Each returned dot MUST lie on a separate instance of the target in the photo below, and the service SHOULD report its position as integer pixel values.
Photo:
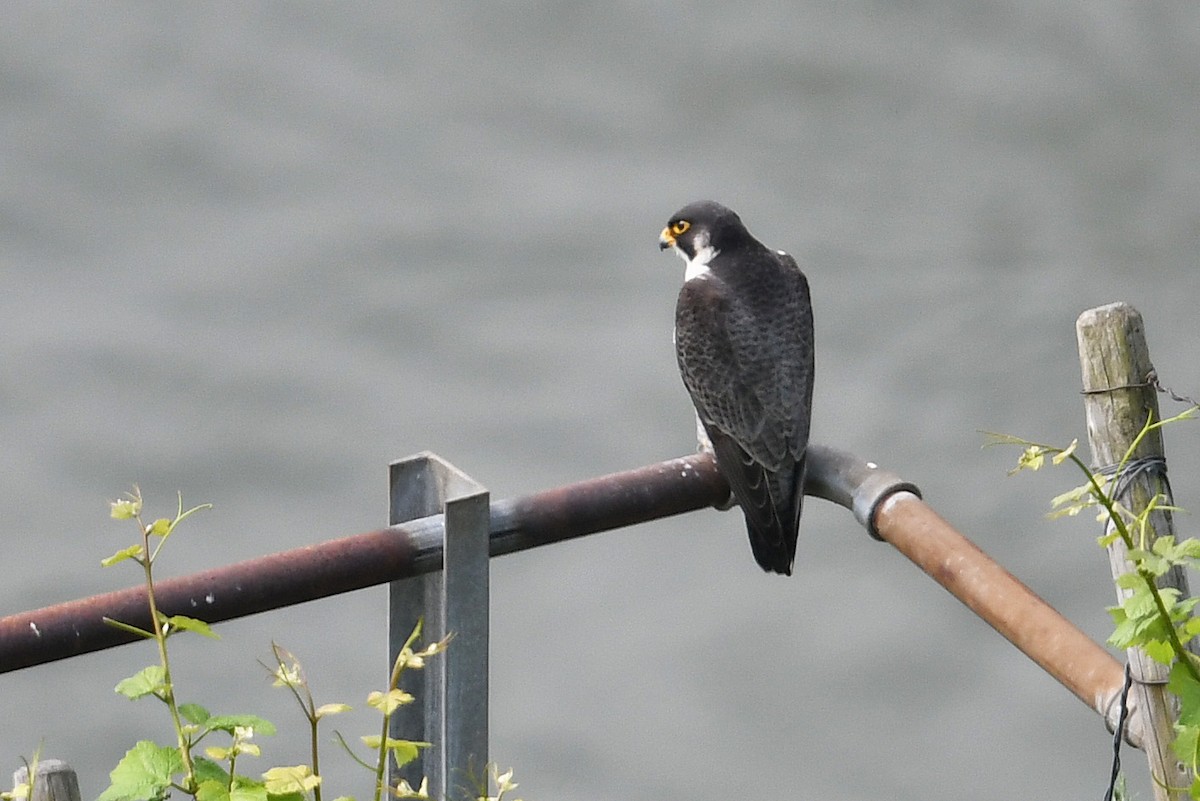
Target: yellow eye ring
(678, 228)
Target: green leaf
(132, 552)
(1182, 609)
(332, 709)
(207, 770)
(1187, 746)
(405, 751)
(227, 723)
(288, 676)
(290, 780)
(19, 792)
(390, 701)
(1169, 595)
(1065, 453)
(246, 790)
(183, 623)
(1130, 581)
(1164, 547)
(991, 438)
(1185, 687)
(1160, 651)
(504, 782)
(1032, 458)
(194, 713)
(1122, 636)
(149, 681)
(404, 790)
(1156, 566)
(216, 788)
(1075, 499)
(127, 508)
(1150, 561)
(212, 790)
(159, 528)
(143, 774)
(1141, 603)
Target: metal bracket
(849, 481)
(451, 708)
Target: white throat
(697, 266)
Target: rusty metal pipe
(352, 563)
(887, 506)
(237, 590)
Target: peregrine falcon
(744, 340)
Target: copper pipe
(1004, 603)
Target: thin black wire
(1119, 735)
(1155, 466)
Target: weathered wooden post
(1118, 400)
(54, 781)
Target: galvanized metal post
(451, 710)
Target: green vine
(150, 772)
(1156, 619)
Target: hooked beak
(665, 240)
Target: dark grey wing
(749, 371)
(783, 358)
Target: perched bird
(744, 340)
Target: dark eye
(680, 227)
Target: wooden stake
(1118, 400)
(54, 781)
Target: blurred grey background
(255, 251)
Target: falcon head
(702, 226)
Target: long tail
(771, 502)
(774, 544)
